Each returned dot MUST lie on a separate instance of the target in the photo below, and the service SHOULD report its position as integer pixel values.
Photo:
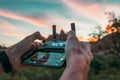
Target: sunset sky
(19, 18)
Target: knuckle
(37, 33)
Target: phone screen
(53, 59)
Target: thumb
(36, 35)
(71, 34)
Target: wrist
(77, 64)
(10, 55)
(5, 62)
(77, 71)
(1, 69)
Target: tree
(99, 33)
(113, 23)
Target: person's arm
(1, 69)
(15, 52)
(78, 58)
(75, 72)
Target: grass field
(105, 67)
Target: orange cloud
(12, 31)
(13, 34)
(91, 11)
(9, 30)
(5, 25)
(31, 20)
(81, 38)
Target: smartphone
(46, 59)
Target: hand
(16, 51)
(78, 58)
(77, 52)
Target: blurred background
(97, 22)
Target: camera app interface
(47, 58)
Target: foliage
(105, 67)
(33, 74)
(98, 33)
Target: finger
(85, 45)
(88, 57)
(31, 38)
(91, 56)
(36, 44)
(27, 42)
(71, 34)
(72, 45)
(37, 35)
(88, 47)
(72, 40)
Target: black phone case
(31, 53)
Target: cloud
(48, 1)
(94, 11)
(36, 19)
(43, 1)
(113, 8)
(9, 30)
(13, 34)
(28, 19)
(4, 25)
